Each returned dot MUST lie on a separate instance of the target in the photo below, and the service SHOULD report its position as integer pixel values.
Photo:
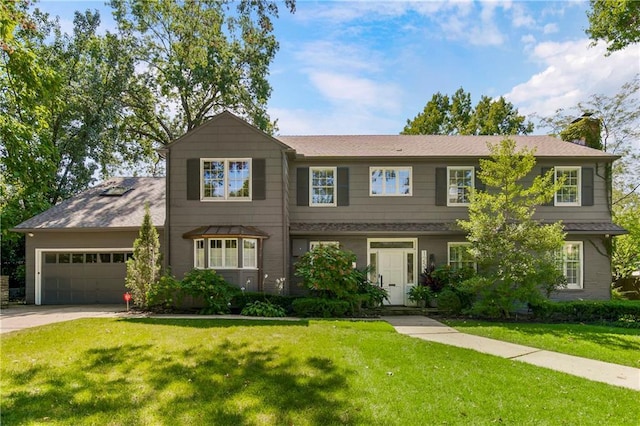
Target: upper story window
(569, 193)
(390, 181)
(226, 179)
(323, 186)
(571, 264)
(459, 256)
(460, 182)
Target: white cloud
(528, 39)
(521, 18)
(572, 72)
(550, 28)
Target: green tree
(617, 22)
(329, 271)
(444, 115)
(143, 269)
(516, 254)
(193, 60)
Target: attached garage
(82, 277)
(76, 251)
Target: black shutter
(479, 185)
(441, 186)
(193, 179)
(544, 171)
(587, 186)
(302, 186)
(343, 186)
(259, 179)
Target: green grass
(182, 372)
(609, 344)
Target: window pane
(91, 257)
(118, 257)
(199, 254)
(50, 258)
(376, 182)
(215, 254)
(405, 182)
(105, 257)
(410, 275)
(64, 258)
(231, 253)
(250, 253)
(322, 186)
(569, 193)
(460, 182)
(238, 179)
(213, 179)
(391, 182)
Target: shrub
(420, 293)
(449, 301)
(320, 307)
(328, 270)
(622, 313)
(241, 300)
(165, 293)
(260, 308)
(211, 288)
(368, 295)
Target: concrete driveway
(18, 317)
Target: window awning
(213, 231)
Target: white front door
(392, 262)
(392, 275)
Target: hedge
(626, 313)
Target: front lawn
(609, 344)
(181, 372)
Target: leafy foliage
(420, 293)
(211, 288)
(328, 270)
(617, 22)
(515, 253)
(261, 308)
(199, 58)
(621, 313)
(320, 307)
(455, 116)
(143, 269)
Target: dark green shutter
(302, 186)
(543, 172)
(343, 186)
(259, 179)
(587, 186)
(479, 185)
(441, 186)
(193, 179)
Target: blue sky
(365, 67)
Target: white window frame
(225, 262)
(398, 186)
(449, 187)
(578, 185)
(450, 245)
(226, 162)
(197, 250)
(314, 244)
(334, 170)
(579, 246)
(253, 258)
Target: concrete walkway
(599, 371)
(18, 317)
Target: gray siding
(421, 206)
(227, 137)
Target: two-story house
(249, 205)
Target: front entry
(393, 266)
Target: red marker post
(127, 298)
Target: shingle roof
(430, 146)
(225, 230)
(89, 209)
(300, 228)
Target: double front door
(393, 267)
